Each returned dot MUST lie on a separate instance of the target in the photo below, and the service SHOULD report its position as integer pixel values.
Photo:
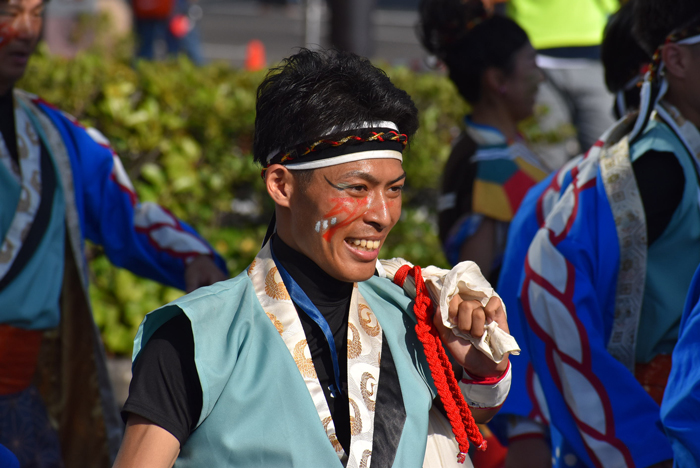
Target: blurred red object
(179, 26)
(255, 56)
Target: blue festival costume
(590, 283)
(680, 410)
(90, 197)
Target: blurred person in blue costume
(490, 169)
(309, 358)
(523, 421)
(61, 183)
(680, 409)
(606, 274)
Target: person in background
(60, 184)
(624, 61)
(680, 408)
(174, 22)
(522, 423)
(567, 36)
(492, 64)
(606, 275)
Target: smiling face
(20, 29)
(340, 217)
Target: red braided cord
(458, 413)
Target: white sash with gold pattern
(363, 355)
(29, 175)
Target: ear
(280, 184)
(493, 81)
(676, 59)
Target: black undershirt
(165, 387)
(7, 124)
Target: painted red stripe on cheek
(7, 34)
(354, 209)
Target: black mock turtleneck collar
(7, 123)
(319, 286)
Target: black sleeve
(165, 387)
(661, 183)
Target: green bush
(185, 136)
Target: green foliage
(185, 137)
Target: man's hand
(470, 317)
(202, 271)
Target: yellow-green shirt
(562, 23)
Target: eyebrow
(365, 176)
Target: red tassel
(458, 412)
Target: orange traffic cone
(255, 56)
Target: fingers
(469, 316)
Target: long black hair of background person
(469, 40)
(623, 58)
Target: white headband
(350, 157)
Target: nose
(379, 213)
(26, 25)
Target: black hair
(621, 54)
(468, 41)
(656, 19)
(312, 92)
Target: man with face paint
(61, 183)
(605, 278)
(312, 357)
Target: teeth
(364, 244)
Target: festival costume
(681, 403)
(251, 351)
(69, 185)
(585, 298)
(486, 177)
(252, 359)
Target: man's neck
(319, 286)
(684, 106)
(495, 115)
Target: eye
(396, 188)
(357, 188)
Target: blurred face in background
(20, 29)
(519, 87)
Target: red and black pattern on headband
(689, 30)
(325, 148)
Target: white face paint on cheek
(318, 226)
(333, 221)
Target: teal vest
(673, 258)
(256, 409)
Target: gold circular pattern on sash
(22, 148)
(364, 461)
(36, 181)
(368, 321)
(25, 201)
(251, 266)
(354, 344)
(275, 321)
(31, 134)
(332, 437)
(356, 420)
(368, 393)
(305, 365)
(274, 289)
(6, 253)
